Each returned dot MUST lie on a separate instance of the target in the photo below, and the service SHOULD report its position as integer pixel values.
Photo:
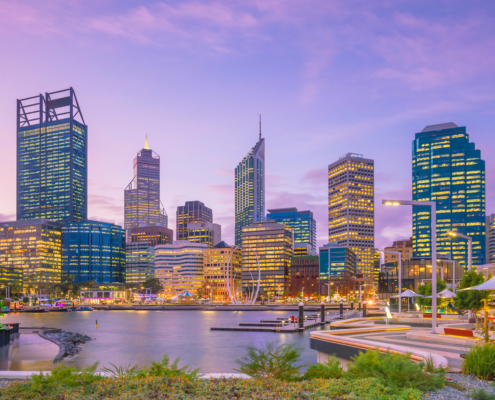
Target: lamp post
(400, 274)
(470, 246)
(433, 208)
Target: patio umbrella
(187, 294)
(488, 285)
(445, 294)
(408, 293)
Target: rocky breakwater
(71, 341)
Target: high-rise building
(274, 247)
(404, 247)
(449, 170)
(337, 260)
(215, 265)
(305, 276)
(377, 266)
(52, 155)
(179, 267)
(12, 277)
(35, 246)
(153, 235)
(303, 250)
(94, 251)
(302, 223)
(139, 262)
(250, 189)
(142, 196)
(204, 232)
(490, 239)
(351, 215)
(191, 212)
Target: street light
(470, 246)
(400, 274)
(433, 207)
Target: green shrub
(271, 362)
(395, 370)
(122, 372)
(329, 370)
(480, 361)
(25, 300)
(162, 368)
(481, 394)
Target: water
(138, 337)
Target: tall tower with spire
(250, 188)
(142, 196)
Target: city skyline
(299, 127)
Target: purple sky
(328, 77)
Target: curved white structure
(251, 295)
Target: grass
(480, 361)
(481, 394)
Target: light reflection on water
(138, 337)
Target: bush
(271, 362)
(481, 394)
(395, 370)
(480, 361)
(162, 368)
(329, 370)
(25, 300)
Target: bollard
(352, 305)
(322, 311)
(359, 305)
(364, 310)
(341, 309)
(301, 315)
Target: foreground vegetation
(275, 371)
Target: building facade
(142, 196)
(179, 267)
(303, 249)
(94, 251)
(404, 247)
(103, 294)
(35, 246)
(215, 273)
(191, 212)
(351, 216)
(52, 155)
(337, 260)
(12, 277)
(305, 277)
(490, 239)
(302, 223)
(273, 244)
(449, 170)
(139, 262)
(250, 189)
(204, 232)
(153, 235)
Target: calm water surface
(137, 337)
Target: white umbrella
(445, 294)
(408, 293)
(488, 285)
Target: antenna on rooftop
(260, 126)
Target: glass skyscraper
(51, 158)
(336, 260)
(302, 223)
(142, 196)
(449, 170)
(250, 189)
(191, 212)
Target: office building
(11, 277)
(142, 196)
(377, 266)
(490, 238)
(449, 170)
(351, 216)
(305, 277)
(35, 246)
(179, 267)
(52, 155)
(139, 262)
(250, 189)
(337, 260)
(94, 251)
(204, 232)
(153, 235)
(404, 247)
(302, 223)
(191, 212)
(273, 244)
(215, 265)
(303, 249)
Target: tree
(426, 290)
(471, 299)
(299, 295)
(153, 283)
(25, 300)
(316, 295)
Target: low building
(346, 285)
(215, 264)
(139, 262)
(305, 276)
(488, 270)
(153, 235)
(404, 247)
(204, 232)
(303, 250)
(102, 294)
(336, 260)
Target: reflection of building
(302, 223)
(139, 262)
(448, 169)
(153, 235)
(305, 276)
(273, 245)
(179, 267)
(336, 260)
(10, 276)
(94, 251)
(204, 232)
(415, 272)
(404, 247)
(35, 246)
(490, 238)
(191, 212)
(100, 294)
(250, 189)
(142, 196)
(215, 271)
(351, 208)
(51, 158)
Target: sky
(328, 77)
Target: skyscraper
(52, 157)
(142, 196)
(302, 223)
(449, 170)
(204, 232)
(351, 215)
(250, 189)
(490, 239)
(191, 212)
